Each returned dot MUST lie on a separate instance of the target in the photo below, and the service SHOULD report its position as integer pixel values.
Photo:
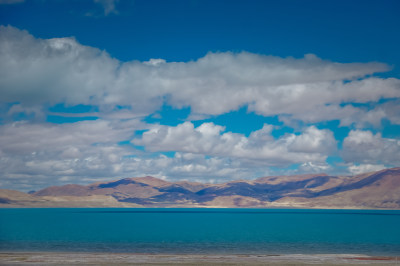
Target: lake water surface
(201, 231)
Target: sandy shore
(42, 258)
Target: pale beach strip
(64, 258)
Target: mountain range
(375, 190)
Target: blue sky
(206, 91)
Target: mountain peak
(151, 181)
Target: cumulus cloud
(58, 159)
(35, 71)
(48, 152)
(194, 167)
(362, 146)
(33, 156)
(311, 167)
(312, 145)
(38, 71)
(365, 168)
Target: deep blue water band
(203, 231)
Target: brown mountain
(379, 189)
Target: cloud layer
(33, 156)
(366, 147)
(312, 145)
(36, 71)
(36, 74)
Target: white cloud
(367, 148)
(193, 167)
(302, 99)
(313, 145)
(361, 117)
(38, 71)
(33, 156)
(48, 152)
(365, 168)
(310, 167)
(313, 140)
(24, 138)
(391, 111)
(35, 71)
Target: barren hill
(379, 189)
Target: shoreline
(92, 258)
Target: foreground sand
(42, 258)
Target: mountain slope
(379, 189)
(12, 198)
(373, 190)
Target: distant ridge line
(375, 190)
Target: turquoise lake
(211, 231)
